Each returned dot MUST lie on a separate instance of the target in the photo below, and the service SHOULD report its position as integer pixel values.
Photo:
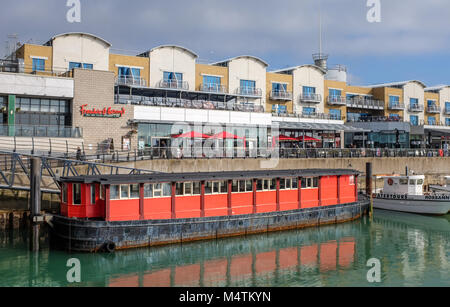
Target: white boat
(405, 194)
(442, 188)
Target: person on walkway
(78, 157)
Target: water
(413, 250)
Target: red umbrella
(282, 137)
(191, 135)
(226, 135)
(307, 139)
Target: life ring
(441, 153)
(390, 181)
(109, 247)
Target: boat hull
(93, 236)
(418, 205)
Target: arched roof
(49, 43)
(301, 66)
(170, 46)
(240, 57)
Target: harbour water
(413, 250)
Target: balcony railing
(188, 104)
(337, 101)
(174, 84)
(249, 91)
(447, 111)
(310, 98)
(396, 106)
(40, 131)
(213, 88)
(365, 104)
(280, 95)
(375, 119)
(415, 108)
(130, 80)
(433, 109)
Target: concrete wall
(81, 48)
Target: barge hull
(92, 236)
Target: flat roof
(210, 176)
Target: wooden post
(141, 201)
(230, 209)
(107, 203)
(202, 199)
(254, 195)
(339, 190)
(299, 192)
(173, 203)
(319, 183)
(35, 202)
(278, 195)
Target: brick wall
(96, 89)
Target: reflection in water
(413, 250)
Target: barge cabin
(115, 198)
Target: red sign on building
(105, 112)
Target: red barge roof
(210, 176)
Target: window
(134, 191)
(64, 193)
(334, 93)
(309, 111)
(242, 186)
(394, 100)
(307, 90)
(73, 65)
(288, 183)
(157, 190)
(431, 121)
(76, 194)
(114, 192)
(414, 102)
(279, 109)
(431, 103)
(335, 114)
(266, 184)
(216, 187)
(310, 183)
(351, 180)
(414, 120)
(93, 195)
(248, 87)
(38, 64)
(148, 190)
(420, 182)
(447, 121)
(124, 191)
(279, 87)
(412, 182)
(211, 82)
(403, 181)
(102, 192)
(88, 66)
(447, 107)
(187, 188)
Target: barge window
(273, 184)
(216, 187)
(420, 182)
(167, 189)
(404, 181)
(412, 182)
(310, 183)
(64, 193)
(197, 188)
(148, 190)
(157, 190)
(208, 187)
(102, 192)
(294, 183)
(179, 189)
(224, 187)
(134, 191)
(266, 184)
(77, 194)
(114, 192)
(287, 184)
(242, 186)
(93, 194)
(351, 180)
(124, 191)
(235, 186)
(188, 188)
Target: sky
(412, 41)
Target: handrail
(41, 131)
(337, 100)
(213, 88)
(396, 106)
(131, 80)
(365, 103)
(433, 109)
(174, 84)
(415, 108)
(249, 91)
(281, 95)
(309, 97)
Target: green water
(413, 251)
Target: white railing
(396, 106)
(130, 80)
(249, 91)
(360, 103)
(213, 88)
(434, 109)
(415, 108)
(174, 84)
(280, 95)
(337, 100)
(310, 98)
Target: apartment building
(145, 99)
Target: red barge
(104, 213)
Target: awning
(320, 126)
(436, 131)
(285, 138)
(226, 135)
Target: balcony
(213, 88)
(433, 109)
(369, 104)
(280, 95)
(249, 91)
(130, 80)
(337, 101)
(447, 111)
(375, 119)
(310, 98)
(415, 108)
(41, 131)
(174, 84)
(396, 106)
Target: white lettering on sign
(74, 13)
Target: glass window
(188, 188)
(208, 187)
(310, 183)
(157, 190)
(148, 190)
(335, 114)
(197, 188)
(403, 181)
(45, 105)
(315, 182)
(212, 81)
(266, 185)
(282, 184)
(309, 90)
(288, 183)
(64, 193)
(167, 189)
(394, 100)
(294, 183)
(93, 195)
(54, 106)
(334, 92)
(114, 192)
(447, 121)
(235, 186)
(309, 111)
(124, 191)
(224, 187)
(25, 104)
(259, 185)
(249, 185)
(73, 65)
(102, 192)
(241, 185)
(216, 187)
(414, 120)
(351, 180)
(412, 182)
(273, 184)
(279, 87)
(420, 182)
(179, 188)
(88, 66)
(76, 194)
(38, 64)
(134, 191)
(431, 121)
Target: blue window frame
(248, 87)
(38, 65)
(396, 116)
(73, 65)
(394, 101)
(414, 102)
(334, 93)
(309, 90)
(431, 103)
(173, 76)
(335, 114)
(447, 121)
(414, 120)
(279, 87)
(279, 109)
(447, 106)
(309, 111)
(88, 66)
(211, 83)
(432, 120)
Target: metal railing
(213, 88)
(188, 104)
(130, 80)
(364, 119)
(280, 95)
(415, 108)
(337, 100)
(41, 131)
(310, 98)
(308, 115)
(433, 109)
(249, 91)
(365, 104)
(396, 106)
(174, 84)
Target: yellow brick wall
(127, 60)
(432, 96)
(203, 69)
(331, 84)
(26, 51)
(280, 78)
